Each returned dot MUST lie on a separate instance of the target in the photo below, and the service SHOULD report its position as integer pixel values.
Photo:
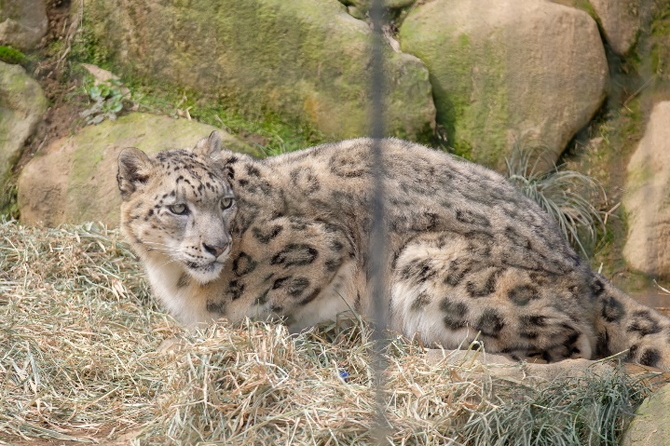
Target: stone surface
(646, 201)
(22, 104)
(23, 23)
(621, 21)
(307, 60)
(508, 70)
(73, 180)
(651, 425)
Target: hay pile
(80, 361)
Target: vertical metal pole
(377, 255)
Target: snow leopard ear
(134, 168)
(210, 146)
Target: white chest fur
(183, 303)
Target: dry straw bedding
(86, 356)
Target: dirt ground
(63, 91)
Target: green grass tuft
(567, 196)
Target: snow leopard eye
(226, 202)
(178, 209)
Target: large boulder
(508, 70)
(621, 21)
(651, 425)
(646, 201)
(22, 104)
(23, 23)
(74, 179)
(307, 60)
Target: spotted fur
(225, 235)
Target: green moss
(651, 56)
(8, 192)
(449, 92)
(9, 208)
(11, 55)
(476, 129)
(267, 131)
(660, 44)
(453, 105)
(637, 177)
(87, 45)
(475, 125)
(586, 6)
(84, 163)
(258, 125)
(487, 121)
(23, 104)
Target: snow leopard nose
(215, 249)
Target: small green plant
(566, 195)
(11, 56)
(268, 132)
(9, 207)
(107, 100)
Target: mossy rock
(74, 179)
(22, 105)
(23, 23)
(305, 60)
(646, 203)
(650, 426)
(508, 71)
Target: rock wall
(307, 60)
(497, 72)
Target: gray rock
(621, 21)
(73, 180)
(646, 201)
(650, 426)
(22, 104)
(508, 70)
(307, 60)
(23, 23)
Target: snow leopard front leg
(289, 268)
